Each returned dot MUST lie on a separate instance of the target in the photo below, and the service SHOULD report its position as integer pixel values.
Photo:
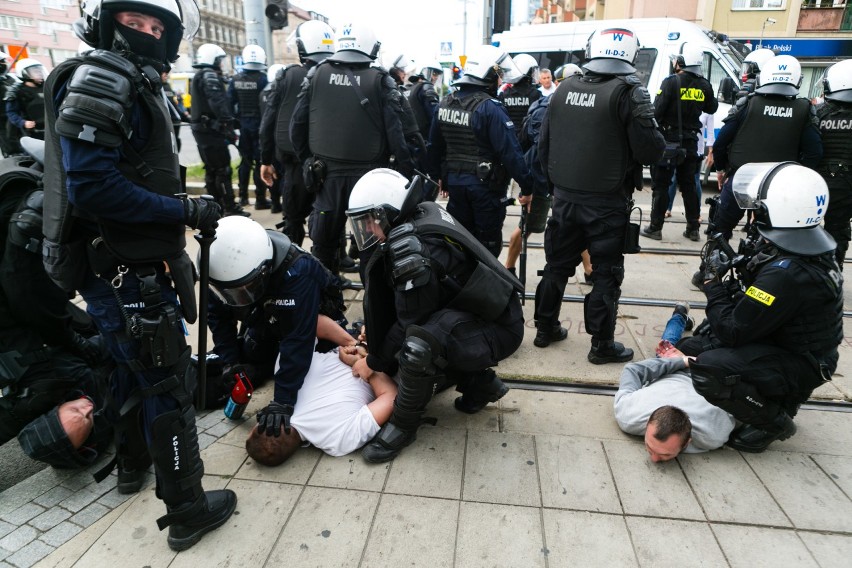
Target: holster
(183, 275)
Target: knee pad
(713, 383)
(420, 353)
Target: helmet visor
(187, 11)
(244, 292)
(506, 67)
(748, 181)
(35, 73)
(368, 225)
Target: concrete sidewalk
(542, 478)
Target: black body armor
(760, 139)
(835, 125)
(289, 84)
(455, 119)
(247, 86)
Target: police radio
(240, 395)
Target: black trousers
(296, 201)
(838, 215)
(662, 179)
(572, 229)
(328, 219)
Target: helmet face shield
(748, 181)
(245, 292)
(506, 67)
(368, 225)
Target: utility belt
(494, 174)
(14, 364)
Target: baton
(205, 239)
(523, 262)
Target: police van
(660, 40)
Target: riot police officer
(273, 182)
(397, 66)
(213, 126)
(751, 69)
(750, 132)
(835, 125)
(422, 96)
(314, 43)
(276, 291)
(680, 101)
(609, 108)
(244, 91)
(439, 307)
(341, 137)
(25, 100)
(776, 329)
(522, 92)
(8, 140)
(113, 222)
(474, 149)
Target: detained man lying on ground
(656, 399)
(336, 411)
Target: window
(759, 4)
(713, 72)
(50, 28)
(13, 23)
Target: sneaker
(609, 351)
(692, 235)
(651, 233)
(545, 336)
(681, 308)
(262, 204)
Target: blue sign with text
(805, 47)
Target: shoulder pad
(114, 61)
(631, 79)
(640, 95)
(497, 102)
(212, 81)
(97, 106)
(410, 265)
(11, 91)
(783, 263)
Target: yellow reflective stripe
(761, 296)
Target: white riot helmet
(789, 201)
(240, 261)
(96, 28)
(528, 67)
(380, 200)
(5, 60)
(395, 60)
(487, 64)
(754, 61)
(781, 75)
(254, 58)
(30, 70)
(314, 41)
(356, 43)
(431, 71)
(564, 71)
(837, 82)
(611, 51)
(209, 55)
(272, 72)
(690, 58)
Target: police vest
(288, 85)
(200, 99)
(589, 151)
(154, 167)
(424, 121)
(455, 119)
(31, 104)
(341, 128)
(517, 100)
(692, 97)
(247, 87)
(817, 326)
(835, 125)
(409, 122)
(770, 131)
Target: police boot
(482, 389)
(192, 512)
(609, 351)
(244, 196)
(652, 232)
(418, 379)
(230, 206)
(755, 439)
(260, 200)
(548, 333)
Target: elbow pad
(97, 107)
(643, 108)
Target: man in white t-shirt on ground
(336, 411)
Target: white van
(659, 39)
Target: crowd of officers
(340, 138)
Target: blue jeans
(674, 328)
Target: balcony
(825, 16)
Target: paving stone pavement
(520, 484)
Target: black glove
(88, 350)
(716, 266)
(273, 417)
(202, 214)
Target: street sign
(462, 60)
(446, 48)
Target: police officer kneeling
(455, 309)
(778, 333)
